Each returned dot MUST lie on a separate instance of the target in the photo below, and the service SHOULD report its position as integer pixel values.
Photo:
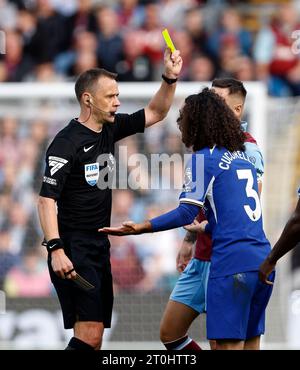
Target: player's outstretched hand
(128, 228)
(265, 270)
(196, 226)
(173, 63)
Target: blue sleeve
(255, 156)
(181, 216)
(198, 180)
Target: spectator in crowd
(18, 219)
(245, 69)
(130, 13)
(7, 259)
(26, 24)
(30, 278)
(229, 56)
(153, 41)
(83, 20)
(230, 27)
(110, 43)
(51, 36)
(126, 265)
(171, 11)
(182, 40)
(158, 254)
(194, 25)
(136, 65)
(276, 62)
(84, 44)
(5, 202)
(201, 69)
(9, 148)
(15, 64)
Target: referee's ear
(86, 100)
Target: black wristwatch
(54, 244)
(169, 81)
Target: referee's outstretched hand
(61, 265)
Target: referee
(72, 208)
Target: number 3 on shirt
(254, 215)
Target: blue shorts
(191, 286)
(236, 306)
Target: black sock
(77, 344)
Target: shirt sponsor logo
(91, 173)
(50, 181)
(56, 163)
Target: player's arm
(159, 106)
(184, 214)
(259, 183)
(288, 240)
(191, 201)
(197, 227)
(255, 155)
(186, 250)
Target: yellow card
(168, 39)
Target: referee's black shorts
(90, 255)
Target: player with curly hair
(221, 177)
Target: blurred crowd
(51, 40)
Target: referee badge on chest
(91, 173)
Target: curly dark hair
(206, 120)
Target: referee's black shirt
(71, 171)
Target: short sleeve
(198, 179)
(59, 159)
(256, 158)
(129, 124)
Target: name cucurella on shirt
(228, 157)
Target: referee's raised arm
(160, 104)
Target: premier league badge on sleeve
(91, 173)
(187, 180)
